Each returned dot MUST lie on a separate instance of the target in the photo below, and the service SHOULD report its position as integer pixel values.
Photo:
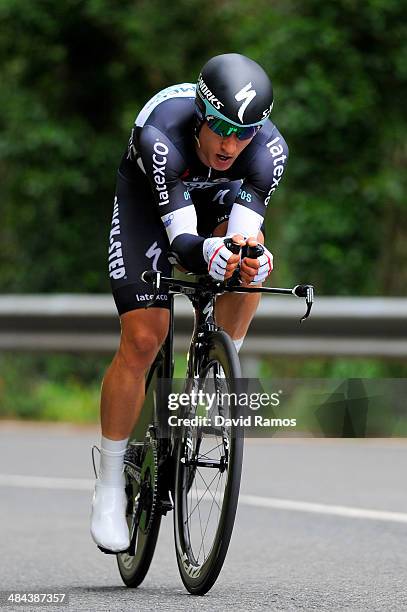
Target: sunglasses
(225, 129)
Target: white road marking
(46, 482)
(301, 506)
(84, 484)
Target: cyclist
(202, 163)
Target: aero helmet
(234, 95)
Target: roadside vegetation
(75, 74)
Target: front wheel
(208, 469)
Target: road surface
(321, 525)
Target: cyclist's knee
(143, 332)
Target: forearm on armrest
(188, 249)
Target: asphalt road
(322, 525)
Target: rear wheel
(143, 517)
(208, 471)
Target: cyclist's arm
(164, 165)
(266, 171)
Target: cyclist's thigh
(137, 242)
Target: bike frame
(203, 295)
(206, 340)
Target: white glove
(216, 256)
(265, 267)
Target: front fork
(204, 325)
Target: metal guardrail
(338, 326)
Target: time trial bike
(189, 461)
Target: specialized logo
(268, 110)
(245, 95)
(206, 92)
(190, 185)
(220, 196)
(277, 152)
(208, 311)
(159, 164)
(116, 263)
(154, 252)
(199, 182)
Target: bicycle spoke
(194, 504)
(202, 496)
(207, 484)
(210, 451)
(200, 522)
(207, 523)
(207, 489)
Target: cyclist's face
(218, 152)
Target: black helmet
(234, 88)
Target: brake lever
(307, 292)
(235, 249)
(252, 252)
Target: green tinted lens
(221, 127)
(225, 129)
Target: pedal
(166, 503)
(111, 552)
(166, 506)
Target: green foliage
(328, 367)
(66, 388)
(339, 71)
(51, 387)
(75, 73)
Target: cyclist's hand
(255, 271)
(221, 262)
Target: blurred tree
(75, 73)
(339, 71)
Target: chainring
(148, 485)
(142, 486)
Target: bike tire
(133, 572)
(133, 568)
(198, 580)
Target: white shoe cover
(108, 525)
